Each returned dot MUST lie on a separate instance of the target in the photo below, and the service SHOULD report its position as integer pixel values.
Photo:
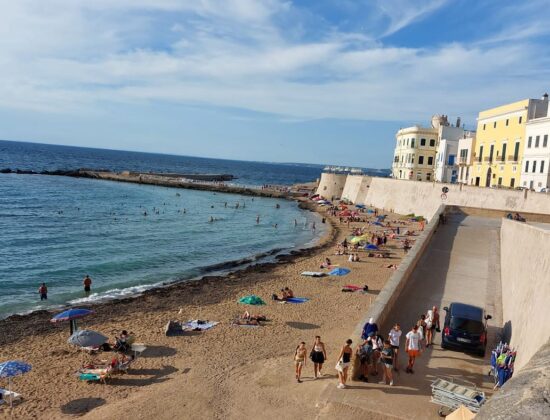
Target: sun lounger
(9, 396)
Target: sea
(57, 229)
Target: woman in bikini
(318, 356)
(344, 361)
(300, 360)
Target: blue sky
(274, 80)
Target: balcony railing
(512, 158)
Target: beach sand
(226, 372)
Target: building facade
(500, 141)
(535, 173)
(415, 150)
(466, 147)
(446, 164)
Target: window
(428, 176)
(507, 121)
(542, 166)
(520, 120)
(534, 166)
(503, 157)
(529, 141)
(422, 142)
(516, 151)
(430, 160)
(480, 153)
(484, 125)
(495, 124)
(526, 166)
(432, 142)
(512, 182)
(421, 160)
(451, 160)
(412, 142)
(537, 139)
(499, 180)
(545, 140)
(491, 150)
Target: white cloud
(237, 54)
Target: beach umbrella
(71, 315)
(371, 246)
(357, 239)
(461, 413)
(13, 368)
(251, 300)
(339, 271)
(87, 338)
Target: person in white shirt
(412, 347)
(395, 336)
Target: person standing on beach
(395, 336)
(300, 360)
(87, 284)
(413, 347)
(258, 219)
(344, 360)
(318, 356)
(43, 292)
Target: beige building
(415, 151)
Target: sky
(273, 80)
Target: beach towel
(297, 300)
(371, 246)
(313, 274)
(198, 325)
(340, 272)
(251, 300)
(378, 224)
(353, 287)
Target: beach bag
(339, 366)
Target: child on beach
(300, 360)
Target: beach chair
(8, 397)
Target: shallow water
(58, 229)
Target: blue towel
(297, 300)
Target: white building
(535, 172)
(466, 147)
(446, 165)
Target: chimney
(458, 122)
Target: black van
(465, 328)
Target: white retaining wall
(424, 198)
(331, 185)
(356, 188)
(525, 278)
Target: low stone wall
(525, 278)
(424, 198)
(385, 301)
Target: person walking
(300, 360)
(422, 327)
(344, 360)
(432, 325)
(318, 356)
(413, 347)
(43, 292)
(387, 357)
(87, 282)
(395, 336)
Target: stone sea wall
(356, 188)
(331, 185)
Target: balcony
(512, 159)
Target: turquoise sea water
(58, 229)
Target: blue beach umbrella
(13, 368)
(71, 315)
(87, 338)
(339, 272)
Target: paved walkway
(460, 264)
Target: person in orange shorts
(412, 347)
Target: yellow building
(499, 142)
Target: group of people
(87, 283)
(286, 293)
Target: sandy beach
(225, 372)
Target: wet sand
(226, 372)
